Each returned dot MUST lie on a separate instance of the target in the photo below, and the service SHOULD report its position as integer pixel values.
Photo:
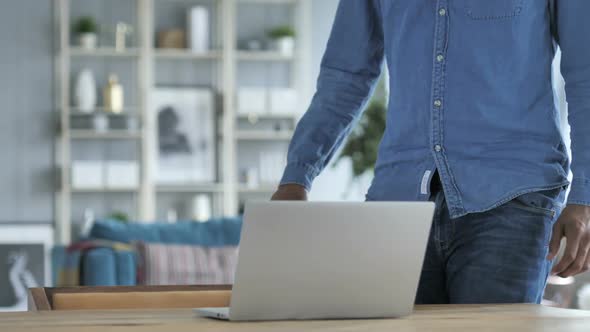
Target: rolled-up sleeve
(350, 66)
(573, 30)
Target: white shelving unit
(104, 52)
(145, 57)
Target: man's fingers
(573, 234)
(579, 264)
(556, 237)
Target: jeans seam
(534, 209)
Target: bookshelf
(225, 68)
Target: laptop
(312, 260)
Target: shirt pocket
(490, 9)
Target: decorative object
(87, 174)
(252, 101)
(250, 177)
(25, 252)
(198, 30)
(284, 39)
(132, 123)
(171, 216)
(186, 137)
(252, 44)
(113, 95)
(363, 142)
(85, 91)
(201, 208)
(100, 123)
(86, 29)
(119, 216)
(122, 31)
(87, 222)
(172, 38)
(283, 101)
(122, 174)
(584, 297)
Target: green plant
(281, 32)
(85, 24)
(363, 142)
(119, 216)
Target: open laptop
(303, 260)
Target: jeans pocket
(491, 9)
(539, 202)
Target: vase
(85, 93)
(285, 46)
(113, 95)
(198, 30)
(87, 41)
(100, 123)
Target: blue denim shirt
(470, 96)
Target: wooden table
(451, 318)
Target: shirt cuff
(301, 174)
(579, 192)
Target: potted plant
(283, 38)
(86, 29)
(363, 142)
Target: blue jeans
(497, 256)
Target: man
(472, 126)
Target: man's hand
(290, 192)
(574, 225)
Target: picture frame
(25, 260)
(185, 135)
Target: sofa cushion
(107, 267)
(217, 232)
(163, 264)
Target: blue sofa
(107, 267)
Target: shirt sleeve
(572, 28)
(350, 66)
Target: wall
(27, 124)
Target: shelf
(197, 188)
(111, 134)
(104, 52)
(104, 190)
(127, 111)
(183, 54)
(263, 56)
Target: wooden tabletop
(451, 318)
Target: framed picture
(185, 120)
(25, 253)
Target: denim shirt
(470, 97)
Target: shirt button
(437, 103)
(437, 148)
(440, 58)
(442, 12)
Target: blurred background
(135, 130)
(137, 112)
